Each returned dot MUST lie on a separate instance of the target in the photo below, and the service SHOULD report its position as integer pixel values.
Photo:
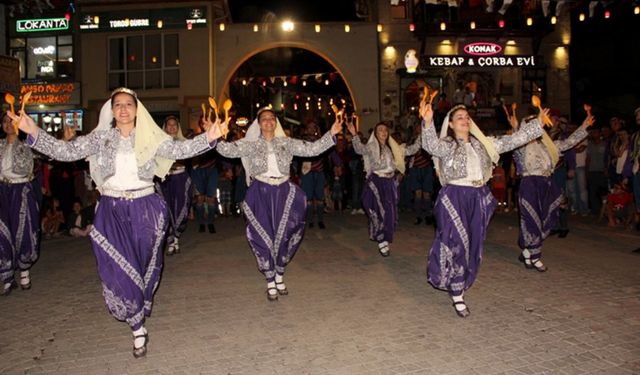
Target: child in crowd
(78, 223)
(52, 218)
(620, 206)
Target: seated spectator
(77, 223)
(52, 218)
(620, 206)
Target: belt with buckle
(473, 183)
(128, 194)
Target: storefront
(482, 74)
(160, 52)
(44, 48)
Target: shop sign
(128, 23)
(52, 93)
(482, 61)
(43, 24)
(48, 50)
(482, 49)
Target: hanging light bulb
(317, 27)
(607, 14)
(221, 26)
(347, 28)
(501, 24)
(636, 10)
(255, 28)
(554, 20)
(379, 28)
(443, 26)
(529, 21)
(472, 25)
(412, 27)
(304, 83)
(581, 17)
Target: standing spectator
(577, 184)
(226, 188)
(596, 178)
(204, 176)
(356, 167)
(313, 179)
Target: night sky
(297, 10)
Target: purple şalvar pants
(275, 217)
(380, 202)
(127, 239)
(463, 214)
(539, 199)
(19, 229)
(176, 191)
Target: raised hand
(25, 123)
(543, 117)
(590, 120)
(351, 126)
(337, 125)
(215, 129)
(426, 112)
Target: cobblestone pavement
(349, 311)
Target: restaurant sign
(478, 61)
(52, 93)
(482, 49)
(43, 24)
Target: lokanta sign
(482, 62)
(52, 93)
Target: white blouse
(126, 166)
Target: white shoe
(354, 211)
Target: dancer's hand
(350, 125)
(337, 125)
(25, 123)
(426, 112)
(590, 120)
(215, 129)
(543, 117)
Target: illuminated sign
(52, 93)
(483, 61)
(149, 19)
(48, 50)
(482, 49)
(43, 24)
(45, 66)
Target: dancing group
(127, 149)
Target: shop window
(144, 61)
(47, 58)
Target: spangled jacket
(385, 160)
(285, 149)
(530, 163)
(104, 144)
(21, 157)
(453, 156)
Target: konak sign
(482, 49)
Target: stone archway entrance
(353, 55)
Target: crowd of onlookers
(600, 176)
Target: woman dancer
(465, 203)
(539, 197)
(274, 207)
(176, 191)
(125, 151)
(19, 210)
(383, 156)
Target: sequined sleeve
(176, 149)
(307, 149)
(527, 131)
(237, 149)
(78, 148)
(414, 148)
(358, 147)
(575, 138)
(440, 148)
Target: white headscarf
(253, 134)
(475, 131)
(148, 137)
(397, 151)
(179, 136)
